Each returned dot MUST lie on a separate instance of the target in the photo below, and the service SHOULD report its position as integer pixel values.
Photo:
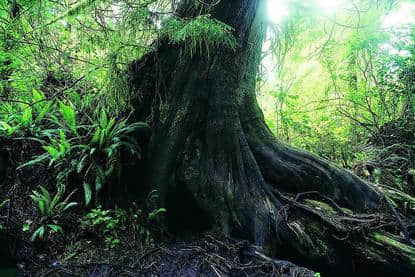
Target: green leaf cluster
(201, 34)
(51, 208)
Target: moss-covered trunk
(216, 165)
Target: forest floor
(134, 247)
(200, 256)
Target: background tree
(327, 114)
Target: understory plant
(51, 209)
(109, 225)
(91, 151)
(105, 224)
(24, 118)
(101, 157)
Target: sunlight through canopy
(277, 10)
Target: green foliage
(69, 116)
(6, 129)
(156, 211)
(104, 224)
(152, 215)
(56, 150)
(99, 159)
(199, 34)
(51, 209)
(20, 119)
(335, 91)
(42, 106)
(108, 225)
(91, 150)
(80, 64)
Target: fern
(69, 116)
(51, 208)
(6, 129)
(26, 118)
(200, 33)
(42, 106)
(101, 156)
(87, 193)
(94, 155)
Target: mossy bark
(211, 154)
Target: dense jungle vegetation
(207, 137)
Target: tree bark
(211, 155)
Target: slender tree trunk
(216, 164)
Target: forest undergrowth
(70, 199)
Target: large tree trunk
(216, 164)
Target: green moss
(319, 205)
(347, 211)
(399, 196)
(400, 247)
(316, 232)
(314, 227)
